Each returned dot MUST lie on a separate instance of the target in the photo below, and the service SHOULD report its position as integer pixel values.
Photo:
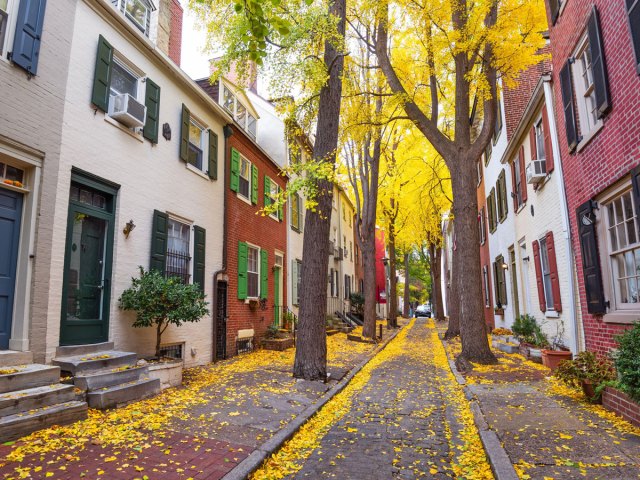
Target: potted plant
(587, 371)
(523, 327)
(556, 351)
(161, 301)
(276, 339)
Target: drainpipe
(564, 211)
(228, 131)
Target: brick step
(93, 362)
(15, 426)
(32, 398)
(73, 350)
(109, 378)
(28, 376)
(12, 357)
(118, 395)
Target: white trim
(259, 261)
(12, 14)
(197, 171)
(133, 133)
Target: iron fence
(178, 265)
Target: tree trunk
(392, 317)
(466, 263)
(158, 338)
(435, 257)
(407, 290)
(453, 330)
(311, 341)
(369, 261)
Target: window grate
(178, 265)
(244, 345)
(172, 351)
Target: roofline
(113, 17)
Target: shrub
(586, 366)
(527, 330)
(162, 301)
(627, 361)
(357, 302)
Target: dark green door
(87, 279)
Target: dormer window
(239, 112)
(137, 11)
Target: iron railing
(178, 265)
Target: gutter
(228, 131)
(564, 210)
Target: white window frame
(189, 225)
(6, 40)
(585, 94)
(296, 200)
(240, 194)
(274, 188)
(538, 128)
(193, 121)
(250, 247)
(517, 183)
(546, 275)
(249, 127)
(618, 312)
(295, 299)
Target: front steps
(32, 398)
(109, 377)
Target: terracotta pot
(589, 390)
(552, 358)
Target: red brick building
(596, 58)
(485, 256)
(251, 289)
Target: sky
(193, 61)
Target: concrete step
(31, 398)
(118, 395)
(27, 376)
(12, 357)
(73, 350)
(15, 426)
(109, 378)
(93, 362)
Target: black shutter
(185, 121)
(600, 82)
(199, 240)
(554, 10)
(590, 260)
(566, 85)
(159, 234)
(152, 101)
(102, 75)
(635, 192)
(26, 43)
(213, 156)
(633, 9)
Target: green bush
(527, 330)
(162, 301)
(586, 366)
(627, 361)
(357, 302)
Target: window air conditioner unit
(127, 110)
(338, 253)
(331, 248)
(536, 171)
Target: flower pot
(589, 390)
(552, 358)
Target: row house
(596, 86)
(250, 288)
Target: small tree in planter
(162, 301)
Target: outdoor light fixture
(385, 260)
(505, 266)
(128, 228)
(525, 259)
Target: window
(500, 281)
(137, 11)
(196, 142)
(498, 126)
(554, 8)
(538, 131)
(296, 212)
(244, 185)
(623, 249)
(481, 226)
(347, 287)
(487, 153)
(633, 10)
(178, 250)
(491, 211)
(517, 182)
(295, 154)
(501, 192)
(252, 123)
(272, 196)
(123, 80)
(228, 100)
(10, 175)
(296, 277)
(253, 271)
(585, 90)
(239, 111)
(546, 274)
(4, 21)
(485, 286)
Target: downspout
(228, 131)
(564, 211)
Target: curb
(498, 459)
(260, 454)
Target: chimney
(169, 32)
(234, 76)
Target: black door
(10, 216)
(221, 321)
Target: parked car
(423, 311)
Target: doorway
(87, 265)
(277, 290)
(10, 219)
(221, 321)
(514, 282)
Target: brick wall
(246, 224)
(615, 149)
(175, 34)
(620, 403)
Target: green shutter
(234, 182)
(199, 241)
(264, 274)
(184, 133)
(267, 190)
(213, 155)
(102, 75)
(242, 270)
(159, 233)
(152, 102)
(280, 207)
(254, 184)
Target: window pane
(227, 99)
(13, 173)
(122, 81)
(623, 296)
(632, 288)
(195, 135)
(631, 231)
(245, 169)
(622, 237)
(137, 11)
(241, 113)
(629, 266)
(178, 258)
(251, 124)
(618, 208)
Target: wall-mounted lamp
(385, 260)
(525, 259)
(128, 228)
(505, 266)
